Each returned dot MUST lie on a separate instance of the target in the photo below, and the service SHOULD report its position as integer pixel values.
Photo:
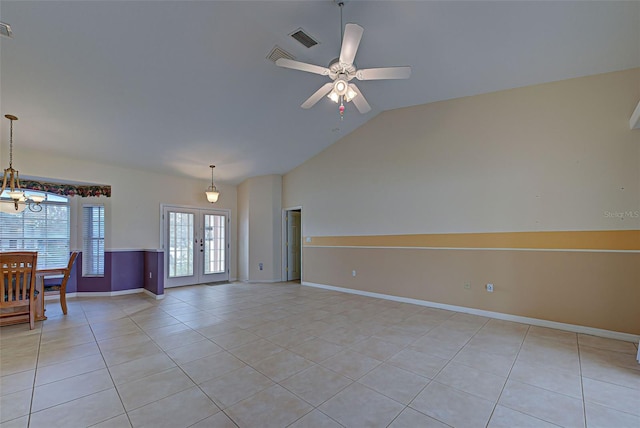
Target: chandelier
(212, 191)
(11, 183)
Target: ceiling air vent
(277, 52)
(304, 38)
(5, 30)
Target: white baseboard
(106, 294)
(497, 315)
(57, 296)
(152, 295)
(264, 281)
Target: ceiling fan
(342, 70)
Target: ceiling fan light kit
(342, 70)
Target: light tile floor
(286, 355)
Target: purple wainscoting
(127, 270)
(96, 284)
(123, 270)
(154, 272)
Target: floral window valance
(67, 189)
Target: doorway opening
(292, 244)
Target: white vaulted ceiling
(173, 86)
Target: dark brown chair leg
(63, 299)
(32, 314)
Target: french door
(196, 246)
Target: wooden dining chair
(18, 287)
(62, 286)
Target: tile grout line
(524, 337)
(584, 404)
(362, 316)
(444, 366)
(404, 347)
(185, 373)
(108, 371)
(198, 385)
(35, 374)
(534, 386)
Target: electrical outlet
(260, 265)
(467, 286)
(150, 275)
(490, 288)
(353, 273)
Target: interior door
(293, 245)
(196, 246)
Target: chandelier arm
(4, 181)
(34, 207)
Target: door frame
(284, 242)
(226, 211)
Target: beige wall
(134, 207)
(261, 228)
(243, 231)
(552, 157)
(593, 289)
(547, 157)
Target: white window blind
(46, 232)
(93, 240)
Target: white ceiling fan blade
(359, 100)
(317, 95)
(384, 73)
(302, 66)
(350, 43)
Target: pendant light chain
(212, 192)
(341, 108)
(11, 144)
(11, 183)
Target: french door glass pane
(214, 237)
(180, 244)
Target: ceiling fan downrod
(341, 5)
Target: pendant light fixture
(212, 191)
(11, 183)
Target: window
(93, 240)
(46, 232)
